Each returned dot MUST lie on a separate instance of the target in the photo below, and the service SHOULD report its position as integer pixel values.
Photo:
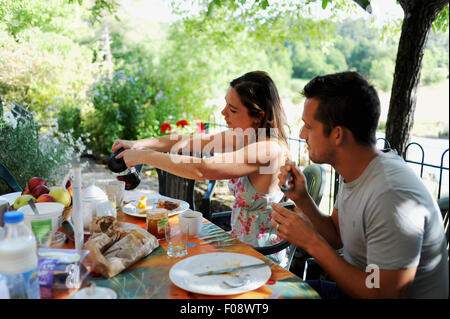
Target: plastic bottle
(18, 258)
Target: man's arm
(299, 230)
(357, 283)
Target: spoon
(285, 187)
(33, 207)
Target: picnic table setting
(113, 243)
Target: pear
(60, 195)
(23, 200)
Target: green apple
(60, 195)
(23, 200)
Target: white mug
(193, 219)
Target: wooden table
(149, 278)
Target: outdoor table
(149, 278)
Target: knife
(232, 269)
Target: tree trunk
(419, 16)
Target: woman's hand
(125, 144)
(297, 182)
(133, 157)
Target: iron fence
(436, 179)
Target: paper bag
(115, 246)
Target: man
(384, 218)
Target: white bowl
(49, 218)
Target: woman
(249, 154)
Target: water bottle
(18, 258)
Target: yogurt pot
(48, 220)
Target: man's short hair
(346, 99)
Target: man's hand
(294, 226)
(297, 182)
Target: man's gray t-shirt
(388, 218)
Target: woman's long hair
(259, 95)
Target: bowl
(49, 218)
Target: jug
(131, 176)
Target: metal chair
(174, 186)
(9, 179)
(443, 206)
(315, 179)
(183, 188)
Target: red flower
(165, 127)
(200, 127)
(182, 123)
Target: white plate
(130, 209)
(11, 197)
(182, 274)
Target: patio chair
(174, 186)
(443, 206)
(315, 178)
(9, 179)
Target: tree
(419, 17)
(418, 21)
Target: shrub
(27, 151)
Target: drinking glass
(176, 239)
(115, 192)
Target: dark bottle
(131, 176)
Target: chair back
(9, 179)
(443, 206)
(315, 180)
(176, 187)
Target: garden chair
(183, 188)
(174, 186)
(9, 179)
(315, 178)
(443, 206)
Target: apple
(26, 191)
(60, 195)
(39, 190)
(35, 181)
(45, 198)
(23, 200)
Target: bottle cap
(13, 217)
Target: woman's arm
(261, 157)
(226, 141)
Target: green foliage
(117, 109)
(69, 120)
(48, 154)
(41, 59)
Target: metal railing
(297, 149)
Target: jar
(156, 219)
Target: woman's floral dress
(250, 217)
